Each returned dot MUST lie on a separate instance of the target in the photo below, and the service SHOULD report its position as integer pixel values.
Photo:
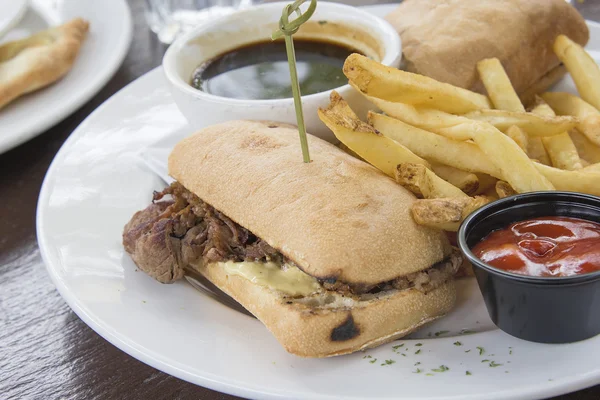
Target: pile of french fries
(457, 150)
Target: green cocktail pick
(286, 30)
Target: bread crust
(324, 332)
(33, 63)
(444, 39)
(337, 218)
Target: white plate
(96, 183)
(12, 12)
(101, 54)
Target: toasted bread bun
(328, 324)
(444, 39)
(337, 217)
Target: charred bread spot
(346, 331)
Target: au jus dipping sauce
(546, 246)
(260, 70)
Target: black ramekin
(538, 309)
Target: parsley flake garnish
(388, 362)
(465, 332)
(428, 374)
(367, 357)
(481, 350)
(418, 363)
(403, 355)
(373, 361)
(437, 334)
(397, 346)
(457, 343)
(442, 368)
(419, 344)
(466, 351)
(493, 364)
(484, 361)
(468, 373)
(418, 371)
(418, 351)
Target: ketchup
(546, 246)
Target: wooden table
(46, 351)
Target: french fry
(560, 148)
(423, 182)
(498, 86)
(514, 165)
(347, 150)
(586, 149)
(535, 146)
(537, 151)
(572, 181)
(393, 84)
(503, 189)
(518, 136)
(446, 214)
(582, 68)
(465, 181)
(568, 104)
(432, 146)
(534, 125)
(592, 168)
(379, 151)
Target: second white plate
(101, 54)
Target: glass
(169, 18)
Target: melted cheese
(291, 280)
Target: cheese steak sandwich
(325, 254)
(444, 39)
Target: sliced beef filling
(171, 234)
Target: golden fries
(534, 125)
(568, 104)
(392, 84)
(572, 181)
(444, 143)
(514, 165)
(465, 181)
(498, 86)
(446, 214)
(347, 150)
(592, 168)
(434, 147)
(586, 149)
(518, 136)
(560, 148)
(423, 182)
(503, 189)
(379, 151)
(582, 67)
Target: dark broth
(260, 70)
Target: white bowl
(347, 25)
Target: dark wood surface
(46, 351)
